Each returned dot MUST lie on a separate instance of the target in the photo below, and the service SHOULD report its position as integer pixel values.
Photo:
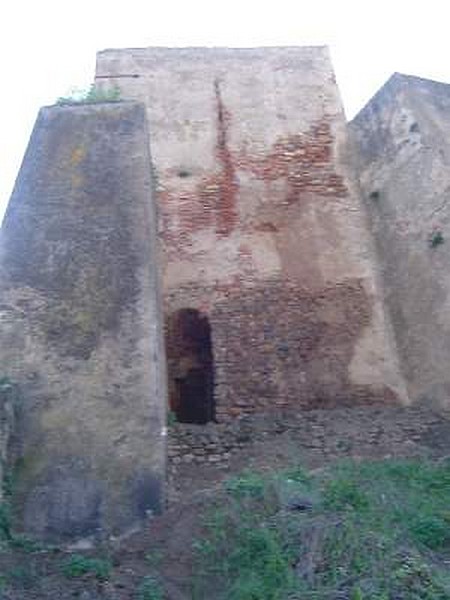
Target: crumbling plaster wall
(403, 157)
(81, 326)
(261, 224)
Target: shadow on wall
(190, 366)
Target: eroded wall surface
(261, 225)
(81, 329)
(402, 144)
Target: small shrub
(22, 542)
(92, 95)
(436, 238)
(78, 565)
(342, 494)
(297, 474)
(247, 485)
(150, 589)
(171, 418)
(357, 594)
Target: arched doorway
(190, 366)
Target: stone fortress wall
(292, 262)
(403, 160)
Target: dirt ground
(164, 549)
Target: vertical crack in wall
(228, 185)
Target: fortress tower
(270, 292)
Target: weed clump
(78, 566)
(436, 238)
(150, 589)
(92, 95)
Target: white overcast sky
(48, 47)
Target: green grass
(78, 565)
(372, 531)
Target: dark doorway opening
(190, 367)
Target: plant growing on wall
(436, 238)
(5, 384)
(92, 95)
